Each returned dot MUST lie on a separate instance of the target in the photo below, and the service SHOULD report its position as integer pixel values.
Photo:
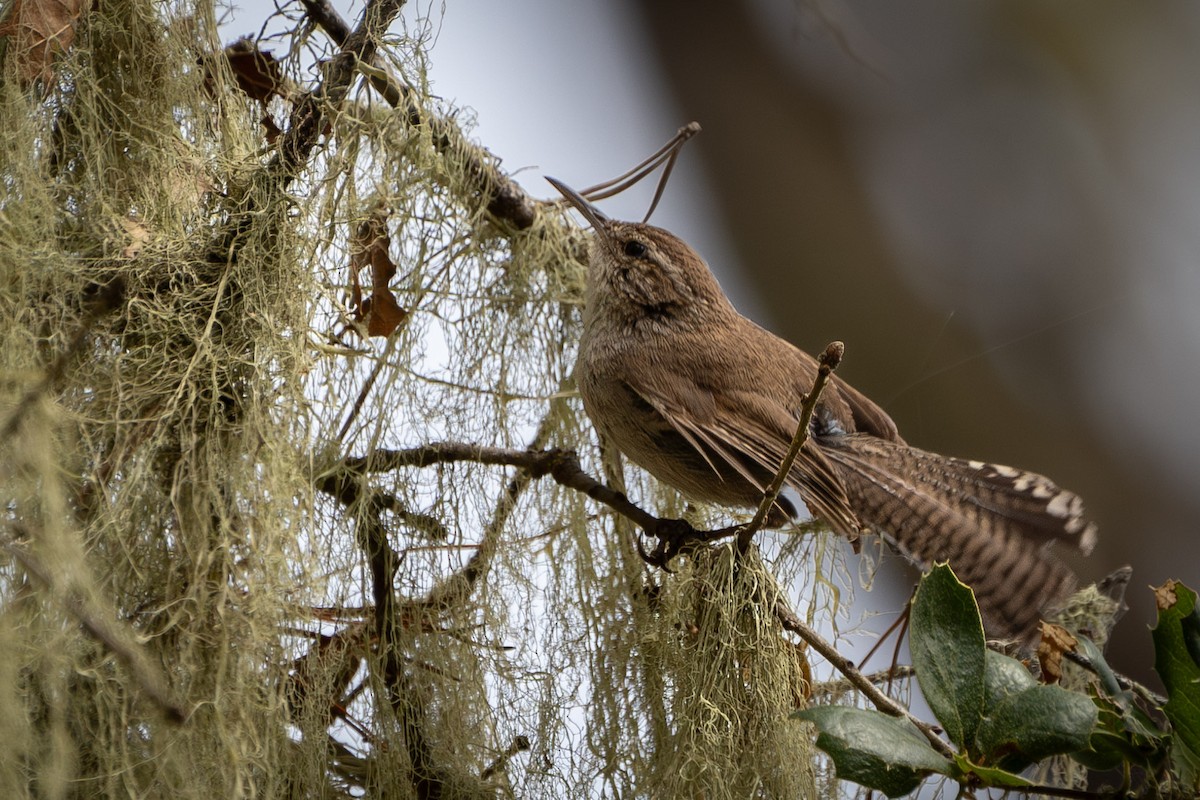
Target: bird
(708, 401)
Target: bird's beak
(593, 214)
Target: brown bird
(708, 402)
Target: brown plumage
(708, 402)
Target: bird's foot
(674, 535)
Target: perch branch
(673, 535)
(830, 360)
(563, 466)
(346, 486)
(834, 688)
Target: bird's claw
(656, 557)
(673, 536)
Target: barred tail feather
(992, 523)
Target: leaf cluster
(1001, 720)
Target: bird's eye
(635, 249)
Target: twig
(834, 688)
(564, 467)
(829, 360)
(453, 590)
(152, 684)
(519, 744)
(456, 589)
(881, 701)
(364, 392)
(561, 465)
(667, 154)
(307, 119)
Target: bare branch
(308, 116)
(561, 465)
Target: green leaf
(1124, 732)
(1038, 722)
(1002, 676)
(880, 752)
(948, 649)
(1176, 653)
(1108, 679)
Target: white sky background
(597, 108)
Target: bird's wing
(747, 432)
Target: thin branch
(829, 361)
(519, 744)
(835, 688)
(564, 467)
(667, 154)
(308, 117)
(628, 178)
(561, 465)
(346, 486)
(456, 589)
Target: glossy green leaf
(1036, 723)
(947, 644)
(1002, 676)
(872, 749)
(1176, 655)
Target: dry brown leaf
(39, 30)
(1164, 596)
(329, 665)
(257, 71)
(271, 130)
(369, 247)
(1056, 640)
